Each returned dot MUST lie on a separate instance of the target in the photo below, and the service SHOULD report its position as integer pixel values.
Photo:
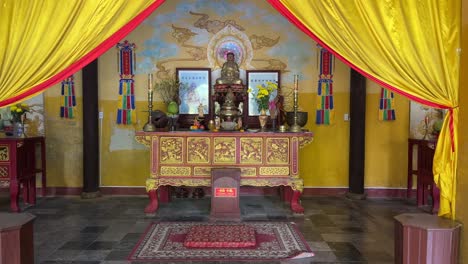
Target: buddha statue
(230, 72)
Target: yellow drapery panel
(411, 47)
(41, 38)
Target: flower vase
(263, 118)
(18, 129)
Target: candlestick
(295, 127)
(295, 82)
(149, 126)
(150, 82)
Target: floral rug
(164, 241)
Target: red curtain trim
(286, 13)
(92, 55)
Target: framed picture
(255, 79)
(194, 91)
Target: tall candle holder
(295, 127)
(149, 126)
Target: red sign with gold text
(225, 192)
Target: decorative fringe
(386, 110)
(68, 98)
(126, 67)
(325, 114)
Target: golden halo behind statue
(230, 39)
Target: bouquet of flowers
(263, 93)
(18, 111)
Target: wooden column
(90, 131)
(357, 135)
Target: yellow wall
(324, 163)
(386, 142)
(64, 139)
(462, 175)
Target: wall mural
(425, 121)
(200, 34)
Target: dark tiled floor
(104, 230)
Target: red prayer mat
(164, 241)
(220, 236)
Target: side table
(16, 238)
(426, 239)
(18, 168)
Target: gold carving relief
(202, 171)
(171, 150)
(248, 172)
(174, 171)
(185, 182)
(224, 150)
(144, 140)
(274, 171)
(4, 153)
(297, 184)
(4, 172)
(251, 150)
(198, 149)
(304, 141)
(277, 150)
(151, 184)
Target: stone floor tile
(338, 230)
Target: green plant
(168, 90)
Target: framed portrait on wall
(194, 90)
(256, 79)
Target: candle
(296, 83)
(150, 82)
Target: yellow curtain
(410, 47)
(39, 39)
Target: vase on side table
(18, 129)
(263, 118)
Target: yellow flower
(13, 108)
(19, 110)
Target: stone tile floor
(104, 230)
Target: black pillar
(357, 135)
(90, 131)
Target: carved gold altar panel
(199, 149)
(224, 150)
(186, 158)
(171, 150)
(251, 150)
(277, 150)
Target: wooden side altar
(185, 158)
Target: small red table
(18, 167)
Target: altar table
(185, 158)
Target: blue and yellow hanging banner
(126, 67)
(325, 106)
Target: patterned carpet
(164, 241)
